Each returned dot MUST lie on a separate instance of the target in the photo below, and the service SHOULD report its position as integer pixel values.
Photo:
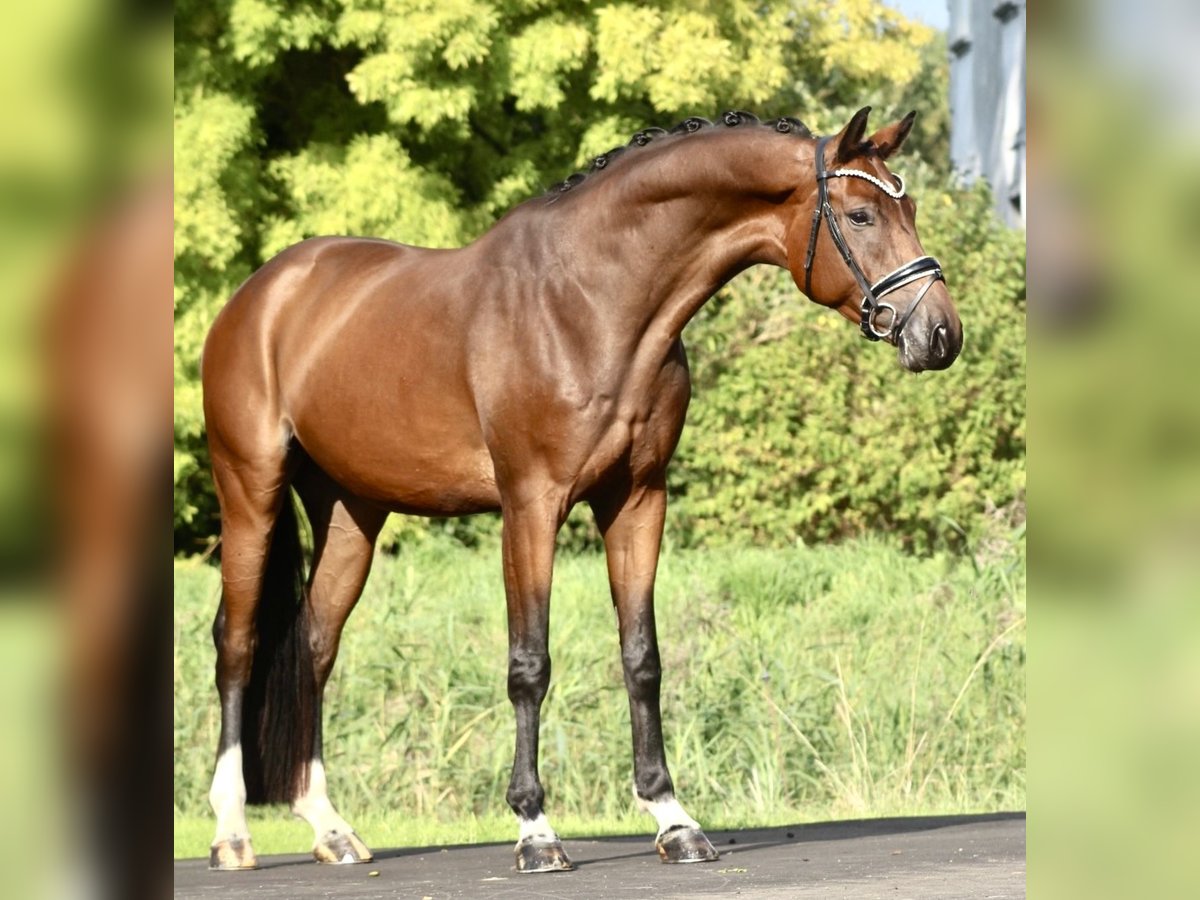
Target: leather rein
(872, 305)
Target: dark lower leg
(679, 836)
(632, 529)
(528, 681)
(643, 681)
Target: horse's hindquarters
(357, 350)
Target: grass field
(799, 685)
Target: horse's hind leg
(344, 533)
(632, 526)
(251, 492)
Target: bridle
(921, 267)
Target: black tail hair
(281, 710)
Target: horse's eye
(860, 217)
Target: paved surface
(919, 858)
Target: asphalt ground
(919, 858)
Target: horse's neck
(676, 226)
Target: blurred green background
(1114, 109)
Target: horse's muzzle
(929, 343)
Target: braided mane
(730, 119)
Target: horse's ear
(887, 140)
(850, 141)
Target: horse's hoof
(232, 855)
(341, 848)
(542, 855)
(683, 844)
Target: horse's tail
(281, 706)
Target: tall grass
(811, 683)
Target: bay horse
(535, 368)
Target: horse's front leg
(528, 542)
(632, 527)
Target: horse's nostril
(937, 343)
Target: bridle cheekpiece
(872, 305)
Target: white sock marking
(667, 813)
(539, 828)
(228, 796)
(313, 805)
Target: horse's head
(859, 252)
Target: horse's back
(356, 348)
(317, 277)
(284, 289)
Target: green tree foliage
(424, 120)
